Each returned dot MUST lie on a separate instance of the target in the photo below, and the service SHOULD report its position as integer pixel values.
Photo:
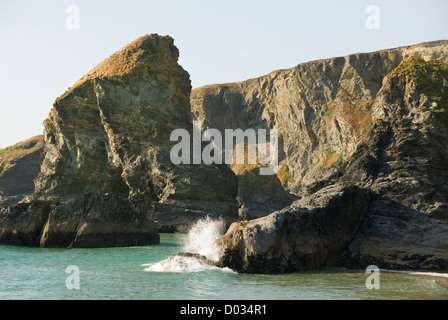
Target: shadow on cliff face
(224, 107)
(340, 226)
(87, 221)
(394, 236)
(309, 234)
(106, 164)
(402, 225)
(19, 166)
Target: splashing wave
(200, 250)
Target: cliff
(19, 166)
(323, 109)
(362, 161)
(106, 173)
(376, 123)
(110, 134)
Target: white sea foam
(201, 239)
(419, 273)
(179, 264)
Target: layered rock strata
(106, 172)
(361, 179)
(385, 117)
(19, 166)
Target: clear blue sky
(219, 41)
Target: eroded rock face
(393, 236)
(406, 225)
(106, 170)
(362, 174)
(395, 137)
(260, 195)
(18, 169)
(81, 222)
(309, 234)
(107, 131)
(22, 223)
(322, 109)
(110, 134)
(87, 221)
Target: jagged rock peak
(139, 54)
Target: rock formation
(362, 161)
(19, 166)
(306, 235)
(374, 121)
(322, 109)
(110, 133)
(106, 173)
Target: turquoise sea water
(121, 273)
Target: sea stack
(106, 162)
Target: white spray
(201, 239)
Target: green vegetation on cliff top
(6, 150)
(430, 78)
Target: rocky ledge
(309, 234)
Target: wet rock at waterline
(311, 233)
(19, 166)
(87, 221)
